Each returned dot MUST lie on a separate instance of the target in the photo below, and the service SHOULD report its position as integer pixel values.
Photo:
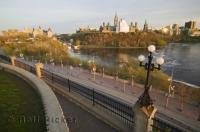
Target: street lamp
(32, 58)
(145, 99)
(61, 63)
(80, 64)
(132, 81)
(94, 70)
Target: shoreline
(110, 47)
(188, 84)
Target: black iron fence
(119, 109)
(6, 58)
(162, 126)
(25, 66)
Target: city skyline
(66, 16)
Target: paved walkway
(80, 120)
(128, 92)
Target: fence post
(38, 67)
(103, 73)
(93, 99)
(143, 118)
(52, 77)
(13, 58)
(31, 69)
(69, 85)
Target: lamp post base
(143, 118)
(145, 99)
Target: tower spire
(145, 21)
(115, 19)
(145, 29)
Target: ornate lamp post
(144, 99)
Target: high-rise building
(190, 25)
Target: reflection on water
(185, 58)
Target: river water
(180, 58)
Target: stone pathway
(80, 120)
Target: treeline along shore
(140, 39)
(127, 40)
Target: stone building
(167, 30)
(10, 32)
(122, 26)
(49, 33)
(27, 30)
(195, 33)
(107, 28)
(37, 31)
(175, 29)
(133, 28)
(86, 30)
(145, 28)
(116, 20)
(119, 25)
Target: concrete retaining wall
(54, 115)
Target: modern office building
(190, 25)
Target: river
(183, 59)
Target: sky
(65, 16)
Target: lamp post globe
(141, 58)
(151, 48)
(160, 61)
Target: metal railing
(6, 58)
(121, 110)
(162, 126)
(25, 66)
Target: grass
(19, 105)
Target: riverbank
(111, 47)
(189, 39)
(138, 39)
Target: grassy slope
(18, 100)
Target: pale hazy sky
(65, 16)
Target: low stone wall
(55, 121)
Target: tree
(77, 42)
